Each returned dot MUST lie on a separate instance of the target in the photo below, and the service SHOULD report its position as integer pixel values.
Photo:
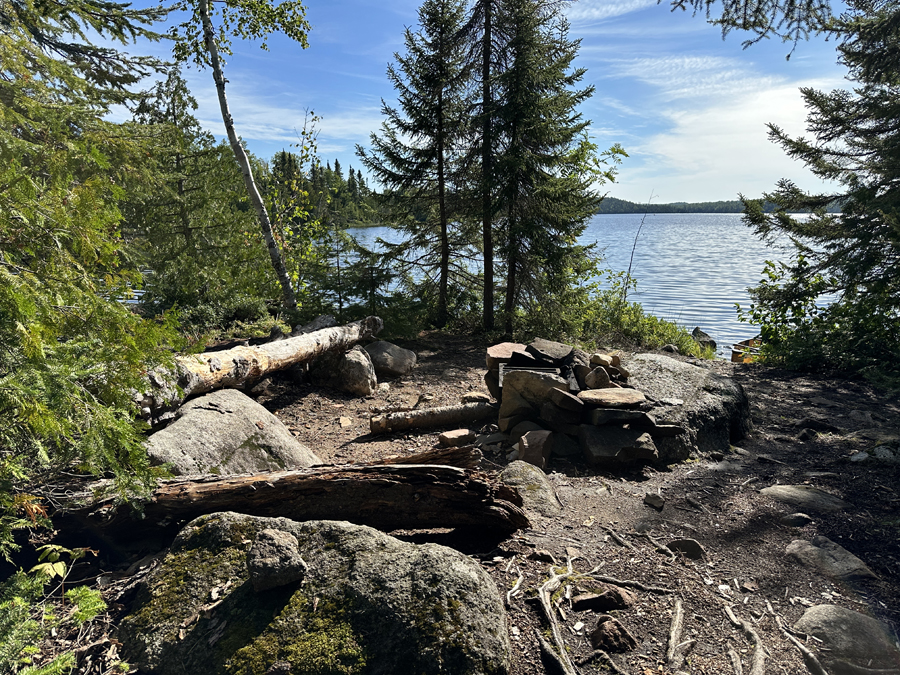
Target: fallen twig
(674, 656)
(515, 589)
(617, 538)
(736, 662)
(758, 658)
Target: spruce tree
(545, 171)
(852, 255)
(416, 155)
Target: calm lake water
(690, 268)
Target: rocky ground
(806, 429)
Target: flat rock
(226, 432)
(368, 603)
(566, 401)
(850, 641)
(602, 416)
(612, 398)
(532, 386)
(555, 351)
(389, 359)
(806, 498)
(829, 557)
(502, 353)
(457, 437)
(612, 446)
(534, 486)
(714, 412)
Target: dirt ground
(714, 500)
(607, 531)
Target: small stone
(601, 360)
(654, 500)
(885, 454)
(612, 636)
(690, 548)
(862, 417)
(859, 456)
(476, 397)
(345, 422)
(542, 555)
(274, 560)
(535, 448)
(611, 598)
(807, 435)
(384, 387)
(795, 520)
(456, 438)
(598, 378)
(672, 349)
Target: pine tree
(853, 254)
(544, 171)
(416, 155)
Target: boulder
(829, 557)
(389, 359)
(502, 353)
(851, 643)
(367, 603)
(703, 339)
(226, 432)
(715, 411)
(352, 372)
(537, 493)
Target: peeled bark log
(387, 497)
(463, 457)
(240, 367)
(432, 417)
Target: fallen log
(387, 497)
(463, 413)
(240, 367)
(463, 457)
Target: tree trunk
(241, 367)
(289, 299)
(387, 497)
(432, 417)
(487, 234)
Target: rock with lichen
(367, 603)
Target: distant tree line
(613, 205)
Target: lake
(690, 268)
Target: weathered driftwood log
(240, 367)
(387, 497)
(432, 417)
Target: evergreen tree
(853, 254)
(416, 155)
(545, 171)
(485, 55)
(70, 350)
(191, 229)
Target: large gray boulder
(850, 643)
(352, 372)
(366, 603)
(713, 409)
(390, 360)
(226, 432)
(829, 557)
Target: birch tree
(200, 41)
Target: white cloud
(597, 10)
(719, 150)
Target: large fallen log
(423, 418)
(387, 497)
(240, 367)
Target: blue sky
(689, 108)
